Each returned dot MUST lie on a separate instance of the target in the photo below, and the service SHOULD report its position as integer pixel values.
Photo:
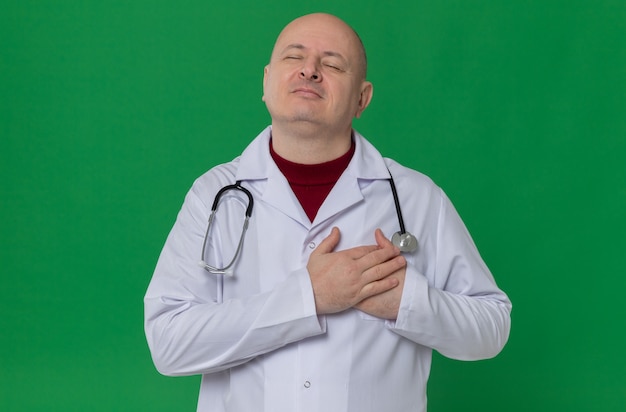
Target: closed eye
(293, 57)
(334, 67)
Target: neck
(312, 146)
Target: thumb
(382, 240)
(329, 243)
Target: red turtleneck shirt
(312, 183)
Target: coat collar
(257, 165)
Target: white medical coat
(255, 335)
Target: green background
(110, 109)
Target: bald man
(317, 310)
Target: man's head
(315, 79)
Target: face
(316, 75)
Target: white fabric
(264, 348)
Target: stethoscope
(404, 240)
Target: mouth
(307, 92)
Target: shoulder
(251, 164)
(215, 178)
(405, 176)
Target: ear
(265, 74)
(367, 91)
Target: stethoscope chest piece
(406, 242)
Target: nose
(310, 71)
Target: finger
(384, 269)
(359, 252)
(329, 243)
(377, 256)
(377, 287)
(382, 240)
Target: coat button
(307, 384)
(312, 245)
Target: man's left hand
(384, 305)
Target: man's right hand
(342, 279)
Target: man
(319, 311)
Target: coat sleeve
(190, 332)
(457, 309)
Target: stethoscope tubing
(236, 186)
(402, 236)
(396, 202)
